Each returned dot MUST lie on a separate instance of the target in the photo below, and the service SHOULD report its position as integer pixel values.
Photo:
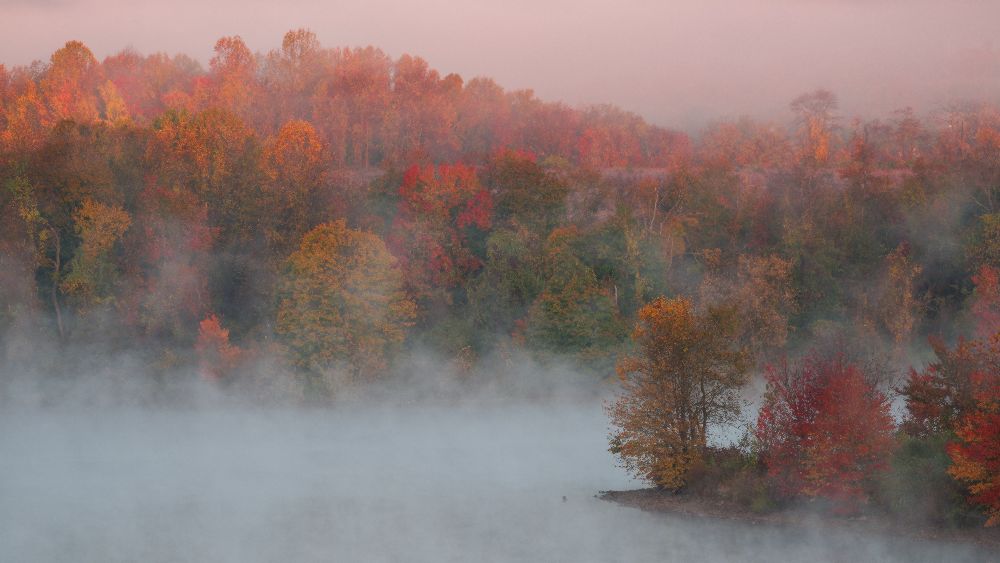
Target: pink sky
(676, 63)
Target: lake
(473, 482)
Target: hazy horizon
(679, 65)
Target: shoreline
(681, 504)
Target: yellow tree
(115, 110)
(900, 307)
(92, 272)
(683, 377)
(341, 303)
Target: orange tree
(975, 453)
(683, 377)
(217, 357)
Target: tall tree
(483, 119)
(421, 124)
(71, 83)
(572, 314)
(291, 76)
(26, 120)
(351, 106)
(510, 280)
(233, 73)
(945, 391)
(214, 154)
(985, 305)
(524, 192)
(171, 255)
(762, 293)
(217, 358)
(900, 308)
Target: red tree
(940, 395)
(439, 208)
(824, 431)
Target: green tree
(508, 284)
(524, 192)
(572, 314)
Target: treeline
(336, 209)
(368, 109)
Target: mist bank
(47, 376)
(421, 483)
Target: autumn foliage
(682, 380)
(824, 432)
(217, 357)
(945, 391)
(341, 302)
(336, 210)
(985, 307)
(440, 209)
(975, 453)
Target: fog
(476, 480)
(679, 63)
(120, 459)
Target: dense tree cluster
(337, 208)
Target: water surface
(413, 483)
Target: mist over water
(161, 394)
(478, 481)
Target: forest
(310, 221)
